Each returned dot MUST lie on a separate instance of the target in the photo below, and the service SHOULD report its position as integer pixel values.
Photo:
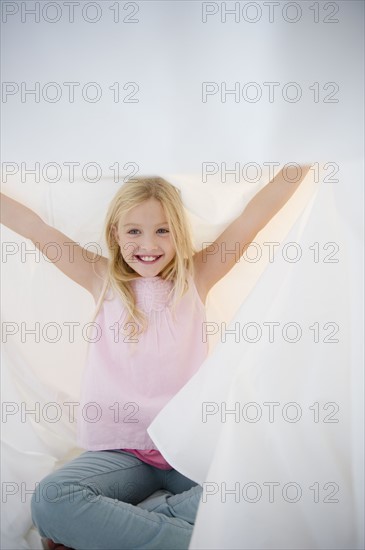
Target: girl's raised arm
(83, 267)
(209, 265)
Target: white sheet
(211, 452)
(317, 459)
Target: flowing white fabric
(44, 376)
(271, 426)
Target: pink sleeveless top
(129, 378)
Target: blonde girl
(149, 293)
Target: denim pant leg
(180, 499)
(89, 504)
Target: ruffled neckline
(152, 293)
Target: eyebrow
(162, 223)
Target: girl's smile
(148, 259)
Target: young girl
(150, 296)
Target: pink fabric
(125, 384)
(152, 457)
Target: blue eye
(133, 230)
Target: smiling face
(144, 238)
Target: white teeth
(148, 258)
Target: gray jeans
(98, 501)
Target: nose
(148, 244)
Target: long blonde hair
(119, 273)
